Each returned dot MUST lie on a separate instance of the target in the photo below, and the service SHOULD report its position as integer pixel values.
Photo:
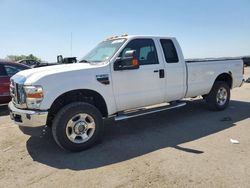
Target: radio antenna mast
(71, 44)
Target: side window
(144, 49)
(2, 71)
(11, 70)
(169, 51)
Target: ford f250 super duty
(122, 77)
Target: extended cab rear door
(175, 69)
(143, 86)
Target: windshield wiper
(84, 61)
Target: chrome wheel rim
(221, 97)
(80, 128)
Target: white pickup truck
(122, 77)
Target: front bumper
(241, 84)
(27, 118)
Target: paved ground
(185, 147)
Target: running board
(142, 112)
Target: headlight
(21, 94)
(34, 96)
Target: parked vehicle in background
(8, 69)
(66, 60)
(246, 60)
(123, 77)
(30, 63)
(34, 63)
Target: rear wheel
(77, 126)
(219, 96)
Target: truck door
(143, 86)
(175, 70)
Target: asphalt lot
(185, 147)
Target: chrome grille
(13, 91)
(17, 94)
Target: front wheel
(77, 126)
(219, 96)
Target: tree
(20, 57)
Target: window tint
(144, 49)
(169, 51)
(11, 69)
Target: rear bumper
(27, 118)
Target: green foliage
(21, 57)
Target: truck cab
(160, 76)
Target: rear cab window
(169, 51)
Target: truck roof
(137, 36)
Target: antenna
(71, 44)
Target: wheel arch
(225, 77)
(83, 95)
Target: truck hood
(30, 76)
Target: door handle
(161, 73)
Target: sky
(204, 28)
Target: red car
(8, 69)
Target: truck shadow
(135, 137)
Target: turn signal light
(35, 95)
(135, 62)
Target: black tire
(59, 126)
(211, 98)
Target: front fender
(55, 85)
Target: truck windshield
(103, 51)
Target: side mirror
(60, 59)
(128, 62)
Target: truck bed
(201, 74)
(210, 59)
